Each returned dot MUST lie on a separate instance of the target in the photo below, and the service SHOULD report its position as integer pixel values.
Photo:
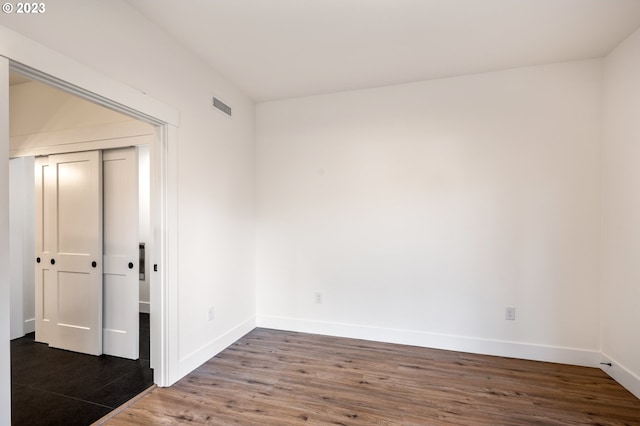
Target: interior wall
(620, 294)
(215, 160)
(16, 241)
(28, 213)
(421, 211)
(21, 267)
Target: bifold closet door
(68, 232)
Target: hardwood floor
(283, 378)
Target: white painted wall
(21, 266)
(144, 223)
(421, 211)
(28, 265)
(215, 170)
(16, 243)
(621, 213)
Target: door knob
(94, 264)
(130, 265)
(53, 261)
(37, 259)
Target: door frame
(37, 62)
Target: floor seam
(70, 397)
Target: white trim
(105, 136)
(105, 144)
(144, 307)
(73, 76)
(5, 353)
(29, 325)
(164, 239)
(201, 355)
(621, 374)
(43, 64)
(529, 351)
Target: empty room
(364, 211)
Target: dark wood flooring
(283, 378)
(55, 387)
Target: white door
(69, 249)
(121, 279)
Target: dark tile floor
(55, 387)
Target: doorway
(20, 54)
(68, 384)
(68, 221)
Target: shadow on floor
(56, 387)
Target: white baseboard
(621, 374)
(534, 352)
(29, 325)
(582, 357)
(198, 357)
(145, 307)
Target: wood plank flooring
(283, 378)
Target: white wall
(29, 291)
(215, 174)
(621, 213)
(22, 267)
(144, 223)
(16, 242)
(421, 211)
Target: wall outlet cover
(510, 313)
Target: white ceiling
(273, 49)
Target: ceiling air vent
(217, 103)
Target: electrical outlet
(318, 297)
(510, 314)
(210, 313)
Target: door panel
(69, 239)
(76, 212)
(73, 290)
(48, 306)
(121, 285)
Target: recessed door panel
(73, 290)
(76, 211)
(114, 285)
(48, 307)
